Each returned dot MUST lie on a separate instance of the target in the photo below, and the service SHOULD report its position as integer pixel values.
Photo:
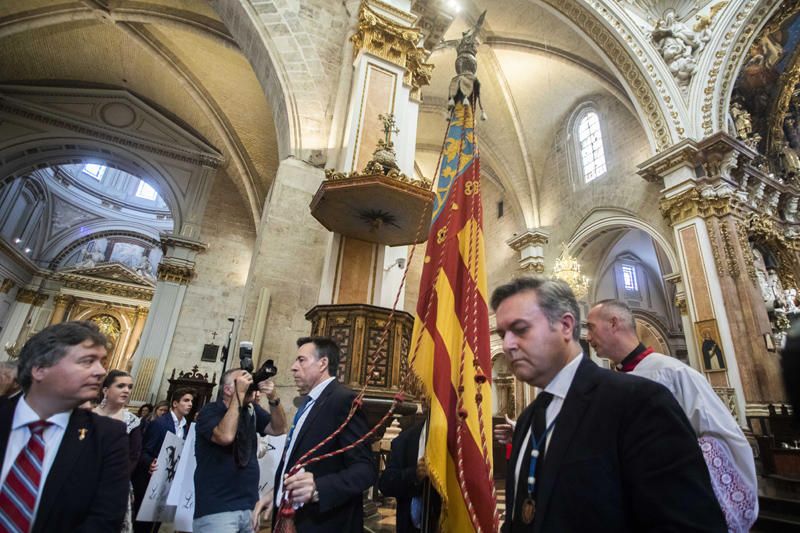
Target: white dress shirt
(20, 434)
(558, 387)
(179, 424)
(313, 395)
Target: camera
(266, 371)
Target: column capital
(530, 245)
(387, 32)
(6, 285)
(62, 299)
(31, 296)
(175, 272)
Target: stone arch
(647, 324)
(734, 33)
(655, 103)
(601, 220)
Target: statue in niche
(790, 297)
(790, 161)
(776, 289)
(145, 268)
(742, 121)
(679, 45)
(89, 257)
(761, 276)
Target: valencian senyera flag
(450, 344)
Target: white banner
(181, 494)
(154, 507)
(268, 463)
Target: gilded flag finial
(465, 85)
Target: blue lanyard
(294, 422)
(537, 448)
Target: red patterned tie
(18, 494)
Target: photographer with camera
(227, 473)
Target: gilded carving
(29, 296)
(182, 274)
(693, 202)
(730, 250)
(394, 43)
(747, 251)
(6, 285)
(712, 238)
(681, 304)
(373, 168)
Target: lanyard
(537, 448)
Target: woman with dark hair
(144, 410)
(116, 392)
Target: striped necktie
(21, 488)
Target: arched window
(590, 145)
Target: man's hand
(262, 509)
(243, 383)
(503, 433)
(300, 488)
(153, 467)
(267, 388)
(422, 469)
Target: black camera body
(266, 371)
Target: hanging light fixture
(568, 269)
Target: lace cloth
(735, 496)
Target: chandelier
(568, 269)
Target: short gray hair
(554, 296)
(48, 346)
(621, 309)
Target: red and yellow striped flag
(450, 350)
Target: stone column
(140, 316)
(175, 272)
(62, 302)
(388, 73)
(707, 211)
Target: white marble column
(175, 272)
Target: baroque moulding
(732, 56)
(174, 273)
(172, 152)
(628, 66)
(373, 168)
(30, 296)
(6, 285)
(696, 203)
(394, 43)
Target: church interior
(193, 174)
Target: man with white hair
(612, 333)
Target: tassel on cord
(285, 522)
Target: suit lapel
(569, 418)
(308, 423)
(6, 419)
(69, 451)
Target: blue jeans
(230, 522)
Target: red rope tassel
(285, 520)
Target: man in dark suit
(64, 468)
(173, 421)
(329, 492)
(597, 451)
(406, 479)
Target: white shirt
(313, 396)
(179, 424)
(20, 434)
(558, 387)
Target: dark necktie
(539, 425)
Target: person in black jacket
(597, 450)
(82, 483)
(328, 493)
(406, 479)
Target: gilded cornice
(394, 43)
(30, 296)
(685, 153)
(632, 69)
(529, 238)
(101, 286)
(692, 203)
(62, 299)
(172, 241)
(182, 274)
(375, 169)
